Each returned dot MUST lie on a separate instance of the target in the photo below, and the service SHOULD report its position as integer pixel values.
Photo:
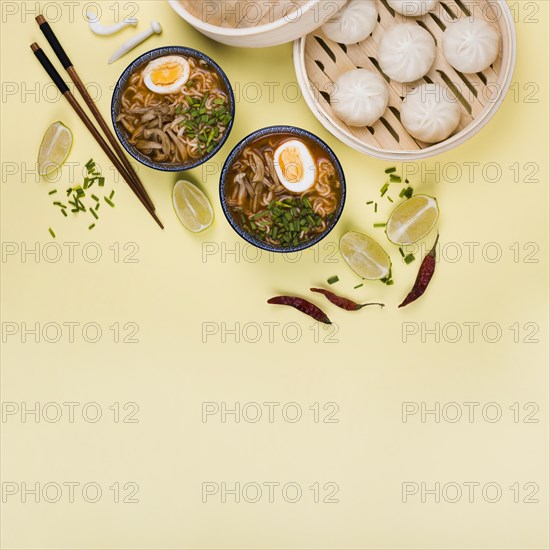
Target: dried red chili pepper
(425, 274)
(302, 305)
(341, 302)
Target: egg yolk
(291, 165)
(166, 74)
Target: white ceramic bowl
(251, 29)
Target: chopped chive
(370, 202)
(91, 226)
(333, 279)
(379, 225)
(101, 181)
(219, 101)
(53, 192)
(375, 207)
(395, 179)
(390, 170)
(75, 210)
(358, 286)
(401, 252)
(94, 214)
(112, 195)
(109, 202)
(384, 189)
(409, 259)
(52, 233)
(390, 199)
(178, 109)
(97, 206)
(95, 198)
(64, 212)
(258, 215)
(69, 191)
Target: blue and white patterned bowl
(121, 85)
(300, 133)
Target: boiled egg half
(167, 75)
(295, 166)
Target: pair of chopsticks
(116, 154)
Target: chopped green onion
(91, 226)
(379, 225)
(101, 182)
(64, 212)
(409, 258)
(395, 179)
(95, 198)
(390, 170)
(333, 279)
(112, 195)
(358, 286)
(53, 192)
(384, 189)
(401, 252)
(94, 214)
(370, 202)
(109, 202)
(51, 232)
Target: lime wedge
(412, 220)
(192, 207)
(365, 256)
(54, 149)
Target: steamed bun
(430, 113)
(470, 45)
(406, 52)
(360, 97)
(353, 23)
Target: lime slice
(412, 220)
(365, 256)
(54, 149)
(192, 207)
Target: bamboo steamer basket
(320, 61)
(256, 23)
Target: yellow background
(366, 368)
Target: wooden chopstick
(64, 89)
(69, 67)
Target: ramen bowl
(167, 125)
(282, 189)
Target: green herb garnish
(333, 279)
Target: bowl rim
(280, 129)
(142, 60)
(241, 32)
(508, 65)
